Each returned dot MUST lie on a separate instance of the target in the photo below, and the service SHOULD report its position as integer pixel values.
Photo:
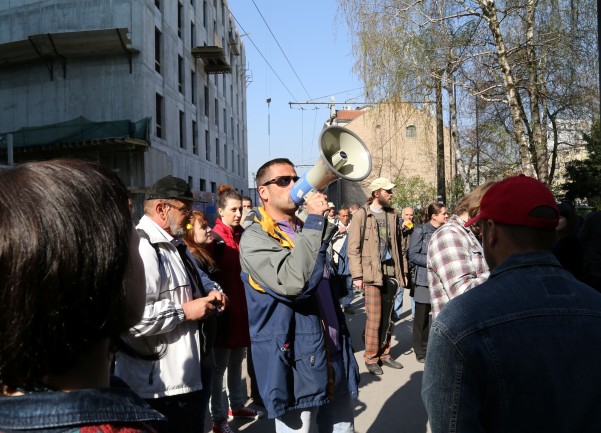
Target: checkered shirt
(455, 263)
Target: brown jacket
(366, 264)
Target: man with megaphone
(304, 363)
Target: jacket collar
(526, 260)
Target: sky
(296, 51)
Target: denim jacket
(57, 411)
(519, 353)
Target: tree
(413, 192)
(529, 60)
(583, 176)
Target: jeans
(336, 416)
(230, 359)
(345, 301)
(398, 304)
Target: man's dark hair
(262, 172)
(247, 198)
(66, 232)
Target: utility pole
(440, 169)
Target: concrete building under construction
(147, 87)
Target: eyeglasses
(282, 181)
(184, 210)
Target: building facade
(402, 143)
(148, 87)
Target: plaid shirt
(455, 263)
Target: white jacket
(163, 326)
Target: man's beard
(383, 202)
(177, 230)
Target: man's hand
(317, 204)
(202, 308)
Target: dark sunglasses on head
(281, 180)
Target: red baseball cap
(511, 201)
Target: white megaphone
(342, 156)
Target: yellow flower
(188, 226)
(409, 225)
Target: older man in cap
(520, 352)
(377, 266)
(179, 300)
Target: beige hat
(381, 183)
(331, 205)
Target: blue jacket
(50, 411)
(519, 353)
(286, 332)
(418, 252)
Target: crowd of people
(113, 327)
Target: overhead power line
(281, 49)
(259, 51)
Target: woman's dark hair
(431, 210)
(64, 249)
(224, 193)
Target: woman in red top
(233, 336)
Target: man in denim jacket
(519, 353)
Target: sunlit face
(134, 282)
(278, 197)
(201, 232)
(232, 212)
(178, 217)
(440, 218)
(384, 197)
(246, 205)
(344, 217)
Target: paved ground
(390, 403)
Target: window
(206, 113)
(180, 74)
(158, 114)
(194, 138)
(157, 3)
(193, 87)
(411, 132)
(217, 152)
(225, 156)
(192, 35)
(157, 50)
(207, 146)
(224, 122)
(190, 180)
(216, 113)
(213, 187)
(233, 165)
(204, 14)
(182, 130)
(203, 184)
(180, 19)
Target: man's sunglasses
(281, 181)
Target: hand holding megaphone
(342, 156)
(316, 203)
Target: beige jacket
(366, 264)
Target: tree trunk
(539, 140)
(490, 14)
(455, 145)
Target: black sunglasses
(282, 180)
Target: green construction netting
(78, 130)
